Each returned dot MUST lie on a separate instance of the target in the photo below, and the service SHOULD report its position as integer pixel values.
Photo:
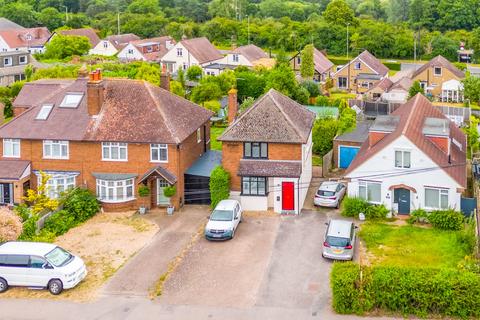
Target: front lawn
(216, 132)
(342, 95)
(408, 245)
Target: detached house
(108, 135)
(413, 158)
(12, 66)
(323, 67)
(268, 152)
(32, 40)
(111, 45)
(247, 56)
(152, 49)
(360, 74)
(190, 52)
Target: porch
(14, 181)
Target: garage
(346, 155)
(197, 178)
(347, 145)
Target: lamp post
(348, 68)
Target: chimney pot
(165, 78)
(95, 92)
(232, 105)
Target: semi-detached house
(108, 135)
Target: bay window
(55, 149)
(115, 190)
(11, 148)
(158, 153)
(370, 191)
(256, 186)
(436, 198)
(114, 151)
(57, 184)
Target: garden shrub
(376, 212)
(352, 206)
(446, 219)
(219, 185)
(10, 225)
(22, 211)
(324, 131)
(60, 222)
(345, 281)
(81, 203)
(418, 215)
(322, 101)
(29, 228)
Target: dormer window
(71, 100)
(255, 150)
(149, 49)
(44, 112)
(437, 71)
(22, 60)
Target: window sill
(11, 157)
(55, 158)
(253, 195)
(116, 201)
(113, 160)
(158, 161)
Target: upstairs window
(179, 52)
(44, 112)
(22, 60)
(130, 51)
(437, 71)
(105, 44)
(55, 149)
(11, 148)
(402, 159)
(158, 153)
(358, 65)
(7, 61)
(255, 150)
(114, 151)
(235, 58)
(71, 100)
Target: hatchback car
(39, 265)
(330, 194)
(224, 220)
(339, 241)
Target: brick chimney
(95, 92)
(165, 78)
(232, 105)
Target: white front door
(161, 199)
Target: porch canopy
(160, 171)
(14, 170)
(452, 91)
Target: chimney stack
(95, 92)
(232, 105)
(165, 78)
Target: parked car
(39, 265)
(339, 241)
(224, 220)
(330, 194)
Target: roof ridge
(159, 108)
(410, 114)
(283, 113)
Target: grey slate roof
(12, 169)
(272, 118)
(204, 165)
(7, 24)
(270, 168)
(360, 134)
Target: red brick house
(109, 135)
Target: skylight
(44, 112)
(71, 100)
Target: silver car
(339, 241)
(330, 194)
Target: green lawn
(215, 132)
(342, 95)
(412, 246)
(317, 160)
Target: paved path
(138, 276)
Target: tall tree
(398, 10)
(339, 13)
(307, 67)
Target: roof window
(44, 112)
(71, 100)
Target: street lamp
(348, 69)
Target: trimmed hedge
(407, 290)
(352, 206)
(219, 185)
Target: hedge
(407, 290)
(352, 206)
(219, 185)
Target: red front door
(288, 196)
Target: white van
(39, 265)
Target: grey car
(339, 241)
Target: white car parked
(330, 194)
(224, 220)
(39, 265)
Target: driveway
(141, 273)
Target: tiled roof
(155, 55)
(373, 62)
(161, 171)
(251, 52)
(322, 64)
(133, 111)
(32, 37)
(440, 61)
(7, 24)
(383, 85)
(12, 169)
(85, 32)
(272, 118)
(270, 168)
(121, 40)
(202, 49)
(413, 115)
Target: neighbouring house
(32, 40)
(12, 66)
(152, 49)
(267, 150)
(111, 45)
(323, 67)
(465, 55)
(190, 52)
(441, 79)
(413, 158)
(7, 24)
(361, 74)
(392, 90)
(108, 135)
(247, 56)
(347, 145)
(92, 36)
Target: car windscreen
(221, 215)
(338, 242)
(324, 193)
(58, 257)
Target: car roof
(339, 228)
(20, 247)
(226, 205)
(329, 185)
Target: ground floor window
(115, 190)
(370, 191)
(254, 186)
(342, 82)
(436, 198)
(57, 184)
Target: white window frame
(357, 65)
(366, 184)
(20, 62)
(179, 52)
(199, 135)
(346, 83)
(108, 190)
(112, 145)
(402, 164)
(435, 71)
(235, 57)
(130, 51)
(61, 145)
(54, 188)
(441, 191)
(13, 143)
(158, 147)
(9, 63)
(105, 44)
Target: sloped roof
(121, 40)
(272, 118)
(31, 37)
(270, 168)
(440, 61)
(85, 32)
(372, 62)
(321, 62)
(154, 55)
(7, 24)
(12, 169)
(404, 84)
(133, 111)
(383, 85)
(413, 115)
(202, 49)
(251, 52)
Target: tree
(38, 199)
(307, 67)
(347, 120)
(61, 47)
(282, 78)
(177, 88)
(398, 10)
(414, 89)
(206, 91)
(228, 8)
(50, 18)
(339, 13)
(472, 134)
(144, 7)
(194, 73)
(471, 89)
(149, 72)
(324, 130)
(19, 12)
(144, 25)
(312, 88)
(247, 103)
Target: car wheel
(55, 287)
(3, 285)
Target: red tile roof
(202, 49)
(412, 118)
(12, 169)
(121, 40)
(158, 54)
(85, 32)
(32, 37)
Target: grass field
(412, 246)
(341, 95)
(215, 132)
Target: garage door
(346, 156)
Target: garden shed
(346, 146)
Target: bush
(81, 203)
(23, 212)
(352, 206)
(418, 215)
(446, 219)
(219, 185)
(324, 131)
(29, 228)
(376, 212)
(143, 191)
(10, 225)
(169, 191)
(322, 101)
(60, 222)
(344, 281)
